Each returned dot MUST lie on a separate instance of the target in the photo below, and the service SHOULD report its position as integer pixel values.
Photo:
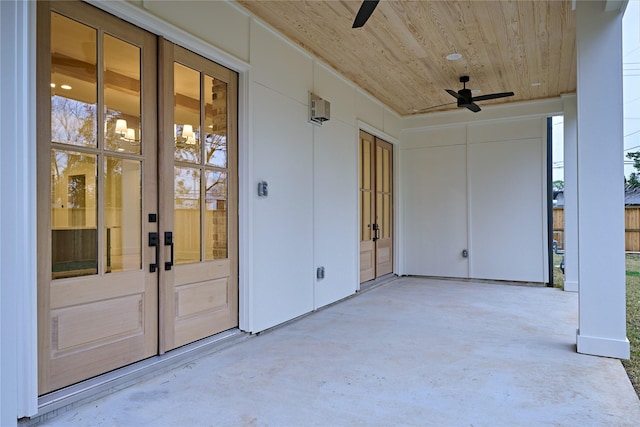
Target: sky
(631, 94)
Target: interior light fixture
(121, 127)
(53, 85)
(65, 87)
(188, 136)
(454, 56)
(126, 133)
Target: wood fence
(631, 228)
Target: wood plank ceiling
(527, 47)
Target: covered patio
(410, 351)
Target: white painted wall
(218, 22)
(311, 212)
(310, 217)
(434, 188)
(476, 185)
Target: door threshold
(58, 402)
(379, 281)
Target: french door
(137, 236)
(198, 198)
(376, 207)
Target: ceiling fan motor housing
(465, 99)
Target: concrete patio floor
(412, 352)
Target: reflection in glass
(122, 215)
(186, 114)
(74, 247)
(215, 225)
(215, 122)
(73, 82)
(187, 214)
(121, 96)
(386, 223)
(365, 211)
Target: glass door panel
(215, 121)
(122, 215)
(186, 114)
(73, 84)
(216, 224)
(187, 215)
(74, 245)
(122, 96)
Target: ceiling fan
(466, 100)
(365, 11)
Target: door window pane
(216, 215)
(365, 212)
(386, 223)
(386, 171)
(215, 121)
(121, 95)
(122, 215)
(73, 82)
(366, 165)
(74, 247)
(187, 214)
(186, 113)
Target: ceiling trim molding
(495, 113)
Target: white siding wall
(310, 217)
(480, 186)
(434, 172)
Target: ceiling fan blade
(492, 96)
(366, 9)
(473, 107)
(455, 94)
(434, 106)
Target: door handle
(168, 241)
(376, 232)
(153, 241)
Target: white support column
(570, 193)
(18, 311)
(601, 268)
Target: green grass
(632, 366)
(558, 277)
